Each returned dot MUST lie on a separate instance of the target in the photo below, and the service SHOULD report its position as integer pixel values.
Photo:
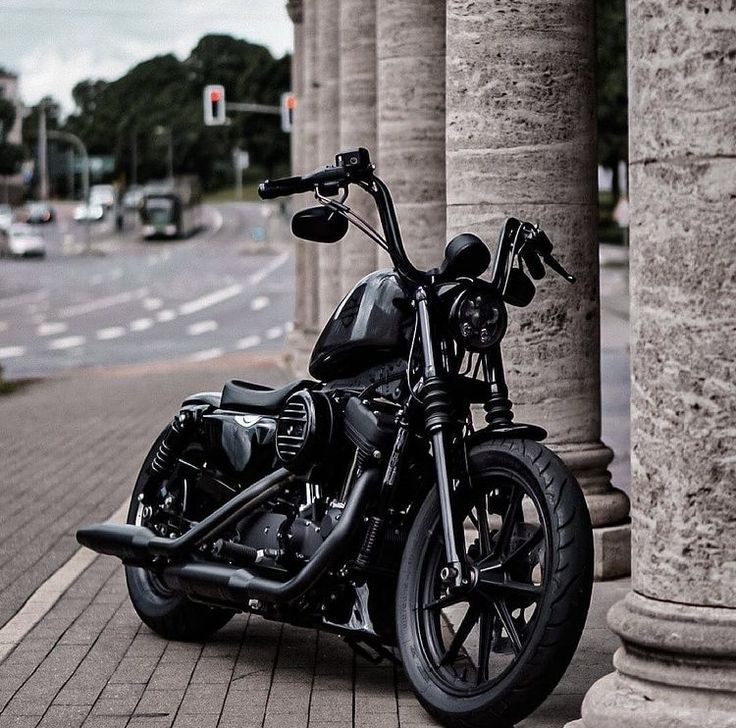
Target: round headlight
(478, 318)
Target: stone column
(677, 665)
(410, 48)
(521, 142)
(328, 139)
(358, 125)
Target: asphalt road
(223, 290)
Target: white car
(88, 213)
(6, 217)
(22, 239)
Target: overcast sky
(52, 44)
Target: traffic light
(213, 99)
(288, 104)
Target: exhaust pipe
(235, 585)
(138, 546)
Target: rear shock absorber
(177, 437)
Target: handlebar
(352, 166)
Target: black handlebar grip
(271, 189)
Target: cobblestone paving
(71, 449)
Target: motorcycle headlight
(478, 318)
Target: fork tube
(437, 419)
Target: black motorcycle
(367, 501)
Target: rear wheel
(491, 654)
(167, 613)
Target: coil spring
(368, 549)
(173, 444)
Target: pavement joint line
(43, 599)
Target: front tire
(170, 615)
(492, 656)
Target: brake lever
(553, 263)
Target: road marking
(112, 332)
(289, 327)
(201, 327)
(141, 324)
(67, 342)
(165, 315)
(22, 298)
(8, 352)
(207, 354)
(276, 263)
(151, 304)
(51, 328)
(211, 299)
(259, 303)
(275, 332)
(43, 599)
(249, 342)
(100, 303)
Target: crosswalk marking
(259, 303)
(165, 315)
(141, 324)
(67, 342)
(207, 354)
(274, 332)
(111, 332)
(249, 342)
(8, 352)
(51, 328)
(201, 327)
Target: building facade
(477, 111)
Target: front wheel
(491, 654)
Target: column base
(612, 552)
(676, 669)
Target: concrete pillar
(328, 139)
(521, 142)
(410, 38)
(677, 665)
(358, 125)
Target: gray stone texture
(410, 41)
(521, 142)
(328, 140)
(677, 665)
(358, 125)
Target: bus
(171, 209)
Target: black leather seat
(250, 397)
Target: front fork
(436, 400)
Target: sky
(53, 44)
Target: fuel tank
(372, 324)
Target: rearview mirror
(319, 224)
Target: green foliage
(7, 117)
(166, 92)
(11, 155)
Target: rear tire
(558, 569)
(170, 615)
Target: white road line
(51, 328)
(67, 342)
(8, 352)
(259, 303)
(165, 315)
(141, 324)
(211, 299)
(100, 303)
(112, 332)
(43, 599)
(275, 332)
(201, 327)
(152, 304)
(276, 263)
(249, 342)
(207, 354)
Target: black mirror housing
(319, 224)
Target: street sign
(213, 100)
(288, 106)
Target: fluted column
(358, 124)
(410, 49)
(328, 139)
(677, 665)
(521, 142)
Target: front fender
(513, 431)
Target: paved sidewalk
(70, 451)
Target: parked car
(22, 239)
(40, 213)
(104, 195)
(6, 217)
(88, 213)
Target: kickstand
(373, 653)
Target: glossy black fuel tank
(373, 323)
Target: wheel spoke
(525, 548)
(491, 587)
(507, 525)
(508, 624)
(464, 628)
(484, 533)
(484, 646)
(447, 601)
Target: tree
(11, 155)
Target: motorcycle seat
(250, 397)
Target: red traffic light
(214, 95)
